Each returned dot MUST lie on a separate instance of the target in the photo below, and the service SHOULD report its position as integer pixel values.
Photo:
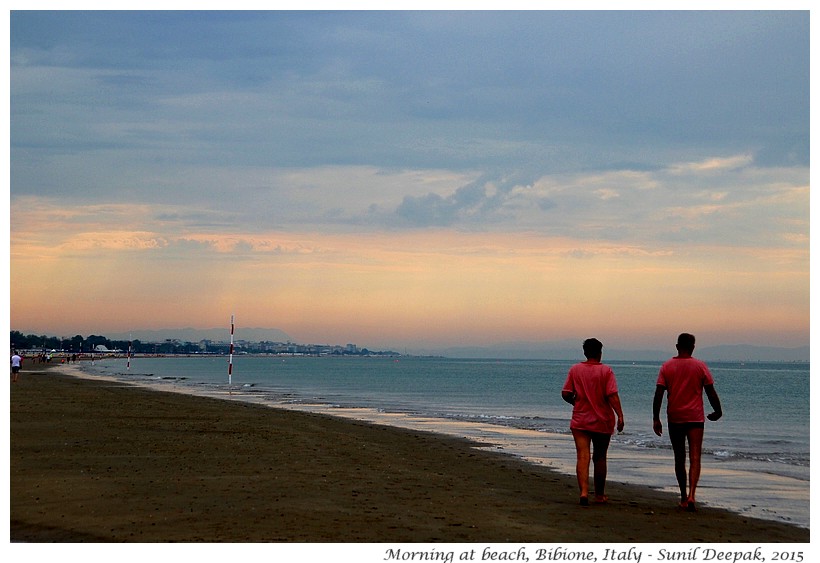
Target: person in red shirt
(592, 391)
(684, 379)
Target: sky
(413, 178)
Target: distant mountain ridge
(756, 353)
(565, 351)
(196, 334)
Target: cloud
(712, 164)
(462, 206)
(728, 199)
(330, 89)
(459, 159)
(112, 240)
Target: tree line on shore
(80, 344)
(84, 345)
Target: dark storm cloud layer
(177, 107)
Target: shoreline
(105, 461)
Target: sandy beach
(95, 461)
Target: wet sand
(95, 461)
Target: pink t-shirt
(684, 379)
(592, 383)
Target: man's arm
(614, 401)
(568, 396)
(714, 400)
(657, 425)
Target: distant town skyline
(187, 341)
(403, 178)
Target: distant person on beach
(684, 379)
(592, 391)
(16, 365)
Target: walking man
(684, 379)
(592, 391)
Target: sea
(755, 461)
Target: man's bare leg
(582, 443)
(678, 440)
(695, 438)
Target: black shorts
(681, 429)
(15, 369)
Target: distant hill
(543, 352)
(745, 353)
(196, 334)
(568, 351)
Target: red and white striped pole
(128, 363)
(230, 355)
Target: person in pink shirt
(592, 391)
(684, 379)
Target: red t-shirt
(592, 383)
(684, 379)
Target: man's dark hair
(686, 342)
(593, 348)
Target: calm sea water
(756, 456)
